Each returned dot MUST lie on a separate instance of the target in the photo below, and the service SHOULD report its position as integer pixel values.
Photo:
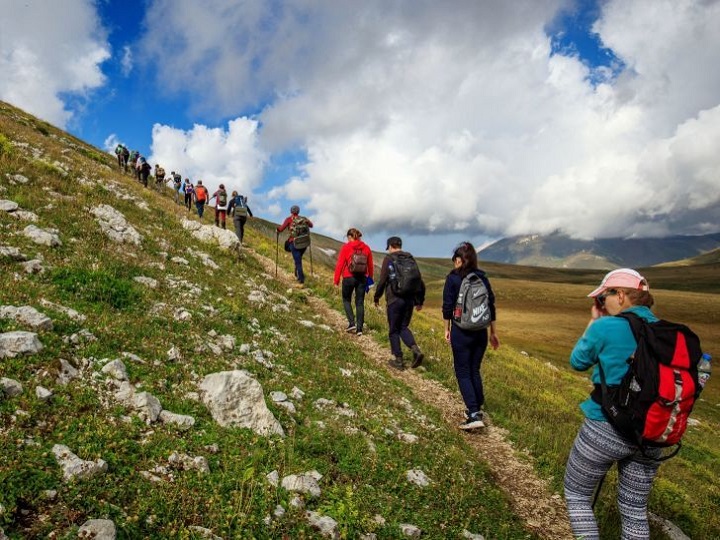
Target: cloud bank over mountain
(418, 118)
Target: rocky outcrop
(115, 226)
(236, 399)
(14, 344)
(43, 237)
(74, 467)
(28, 316)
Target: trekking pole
(312, 272)
(277, 251)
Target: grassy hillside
(532, 396)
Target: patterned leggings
(597, 446)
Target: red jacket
(345, 256)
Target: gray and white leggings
(597, 446)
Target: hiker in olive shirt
(399, 308)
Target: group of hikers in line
(621, 328)
(620, 321)
(198, 195)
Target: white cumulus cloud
(47, 49)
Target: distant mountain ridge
(558, 250)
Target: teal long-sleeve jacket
(609, 341)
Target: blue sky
(439, 122)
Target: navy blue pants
(297, 255)
(468, 349)
(356, 285)
(399, 314)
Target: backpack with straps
(300, 231)
(358, 262)
(222, 198)
(405, 277)
(653, 401)
(241, 206)
(472, 307)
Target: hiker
(201, 198)
(221, 200)
(134, 156)
(355, 266)
(189, 191)
(404, 290)
(125, 157)
(159, 176)
(298, 239)
(239, 210)
(143, 171)
(119, 154)
(609, 342)
(176, 179)
(468, 336)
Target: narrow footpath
(543, 513)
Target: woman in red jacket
(355, 266)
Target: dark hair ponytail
(465, 251)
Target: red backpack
(653, 401)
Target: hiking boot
(397, 363)
(473, 421)
(351, 328)
(418, 357)
(358, 333)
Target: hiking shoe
(358, 333)
(397, 363)
(418, 357)
(473, 421)
(351, 328)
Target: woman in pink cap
(609, 341)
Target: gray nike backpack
(472, 309)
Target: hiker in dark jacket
(468, 346)
(297, 253)
(189, 191)
(399, 308)
(239, 210)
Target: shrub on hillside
(96, 287)
(6, 147)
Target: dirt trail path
(543, 513)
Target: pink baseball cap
(622, 277)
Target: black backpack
(405, 277)
(651, 405)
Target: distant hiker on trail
(189, 191)
(201, 198)
(177, 185)
(120, 153)
(159, 176)
(126, 157)
(298, 239)
(404, 289)
(239, 210)
(468, 310)
(221, 202)
(144, 169)
(134, 156)
(608, 342)
(355, 266)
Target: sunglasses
(602, 297)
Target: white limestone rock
(182, 421)
(8, 206)
(147, 405)
(185, 462)
(116, 369)
(147, 281)
(24, 215)
(43, 237)
(10, 387)
(13, 344)
(11, 253)
(71, 313)
(411, 531)
(236, 399)
(115, 226)
(42, 393)
(325, 524)
(204, 533)
(74, 467)
(98, 529)
(33, 267)
(67, 373)
(273, 478)
(28, 316)
(417, 477)
(471, 536)
(306, 483)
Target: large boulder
(44, 237)
(14, 344)
(236, 399)
(115, 226)
(74, 467)
(27, 315)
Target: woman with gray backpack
(469, 313)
